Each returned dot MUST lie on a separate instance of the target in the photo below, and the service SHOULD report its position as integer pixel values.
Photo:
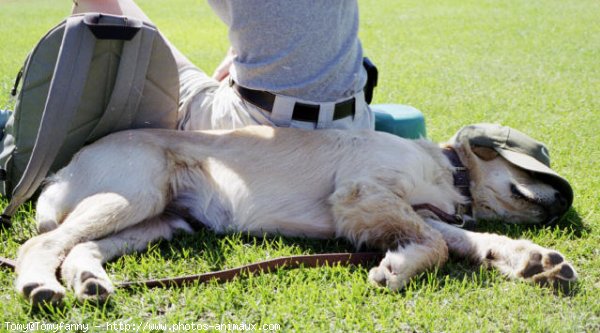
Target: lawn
(532, 65)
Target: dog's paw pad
(93, 288)
(39, 293)
(28, 288)
(560, 279)
(554, 258)
(533, 265)
(566, 272)
(549, 269)
(87, 275)
(43, 296)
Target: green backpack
(91, 75)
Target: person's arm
(224, 68)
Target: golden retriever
(132, 187)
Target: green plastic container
(402, 120)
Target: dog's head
(511, 179)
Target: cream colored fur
(111, 199)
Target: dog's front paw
(40, 292)
(536, 264)
(383, 276)
(390, 273)
(548, 268)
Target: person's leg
(116, 7)
(128, 8)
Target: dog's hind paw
(93, 288)
(39, 293)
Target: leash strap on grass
(315, 260)
(8, 263)
(308, 261)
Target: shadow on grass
(214, 249)
(53, 313)
(459, 276)
(570, 224)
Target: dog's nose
(557, 208)
(561, 200)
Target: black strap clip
(5, 221)
(372, 76)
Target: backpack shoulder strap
(64, 94)
(129, 84)
(67, 85)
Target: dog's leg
(94, 217)
(53, 205)
(401, 264)
(368, 213)
(82, 269)
(518, 259)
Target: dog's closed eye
(484, 153)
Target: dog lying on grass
(371, 188)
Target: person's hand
(222, 71)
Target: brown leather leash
(7, 263)
(307, 261)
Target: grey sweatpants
(208, 104)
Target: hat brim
(531, 164)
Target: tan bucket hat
(518, 149)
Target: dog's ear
(484, 153)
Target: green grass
(533, 65)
